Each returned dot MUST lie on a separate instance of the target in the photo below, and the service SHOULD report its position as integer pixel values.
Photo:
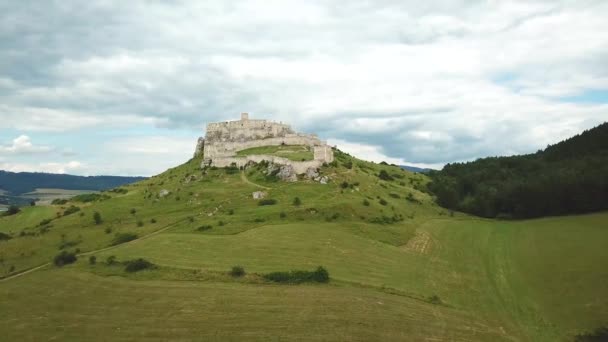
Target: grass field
(401, 267)
(291, 152)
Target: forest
(570, 177)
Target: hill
(570, 177)
(23, 182)
(400, 267)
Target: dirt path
(30, 270)
(245, 180)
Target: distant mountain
(415, 169)
(566, 178)
(21, 182)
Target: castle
(223, 140)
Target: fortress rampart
(224, 139)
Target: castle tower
(244, 116)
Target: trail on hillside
(246, 180)
(24, 272)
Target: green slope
(536, 280)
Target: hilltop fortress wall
(224, 139)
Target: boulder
(287, 173)
(163, 193)
(312, 173)
(258, 195)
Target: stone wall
(299, 167)
(224, 139)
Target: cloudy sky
(126, 87)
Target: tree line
(569, 177)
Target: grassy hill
(401, 268)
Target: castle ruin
(223, 140)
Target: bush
(231, 212)
(383, 201)
(12, 210)
(59, 201)
(119, 190)
(140, 223)
(220, 223)
(344, 185)
(237, 271)
(85, 198)
(92, 260)
(384, 175)
(348, 164)
(4, 236)
(122, 238)
(320, 275)
(152, 220)
(70, 210)
(393, 195)
(598, 335)
(297, 201)
(434, 299)
(111, 260)
(205, 227)
(64, 258)
(108, 230)
(282, 215)
(366, 202)
(133, 211)
(138, 265)
(268, 201)
(97, 218)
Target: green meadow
(401, 267)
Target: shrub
(133, 211)
(344, 185)
(366, 202)
(237, 271)
(598, 335)
(70, 210)
(231, 212)
(92, 260)
(66, 244)
(97, 218)
(85, 198)
(12, 210)
(138, 265)
(140, 223)
(108, 230)
(111, 260)
(220, 223)
(434, 299)
(297, 201)
(268, 201)
(394, 195)
(282, 215)
(4, 236)
(153, 220)
(122, 238)
(64, 258)
(320, 275)
(348, 164)
(203, 228)
(119, 190)
(259, 219)
(383, 201)
(384, 175)
(59, 201)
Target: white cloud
(23, 145)
(71, 167)
(425, 82)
